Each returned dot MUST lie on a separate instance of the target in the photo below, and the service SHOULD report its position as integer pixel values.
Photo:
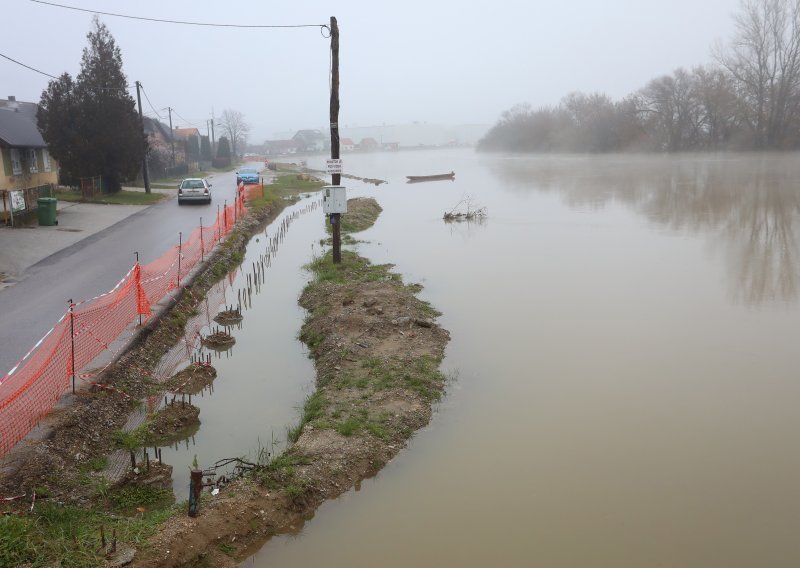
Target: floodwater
(265, 377)
(624, 346)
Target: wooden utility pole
(145, 174)
(336, 179)
(171, 136)
(213, 142)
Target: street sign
(334, 166)
(17, 201)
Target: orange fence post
(142, 304)
(180, 242)
(72, 339)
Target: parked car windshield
(247, 171)
(192, 184)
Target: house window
(34, 165)
(16, 162)
(46, 160)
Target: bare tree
(234, 125)
(673, 110)
(764, 59)
(719, 106)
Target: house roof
(307, 135)
(18, 125)
(186, 132)
(346, 142)
(152, 126)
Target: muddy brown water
(624, 340)
(624, 334)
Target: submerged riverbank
(377, 351)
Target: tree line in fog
(747, 99)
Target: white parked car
(194, 189)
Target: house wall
(10, 181)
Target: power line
(184, 120)
(127, 87)
(28, 66)
(148, 102)
(179, 21)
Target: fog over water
(440, 62)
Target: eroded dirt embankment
(377, 351)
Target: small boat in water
(414, 179)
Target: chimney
(12, 98)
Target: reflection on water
(748, 204)
(624, 331)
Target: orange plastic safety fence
(32, 388)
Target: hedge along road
(95, 265)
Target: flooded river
(624, 347)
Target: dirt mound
(192, 379)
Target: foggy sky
(427, 61)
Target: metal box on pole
(334, 199)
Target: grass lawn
(120, 198)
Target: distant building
(184, 133)
(346, 145)
(391, 146)
(368, 145)
(26, 162)
(280, 147)
(157, 134)
(189, 140)
(310, 141)
(161, 143)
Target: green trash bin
(47, 210)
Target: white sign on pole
(335, 166)
(17, 201)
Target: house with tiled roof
(27, 167)
(310, 141)
(184, 133)
(157, 133)
(347, 144)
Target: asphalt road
(95, 265)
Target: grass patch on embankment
(284, 186)
(58, 535)
(122, 197)
(362, 212)
(297, 183)
(377, 353)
